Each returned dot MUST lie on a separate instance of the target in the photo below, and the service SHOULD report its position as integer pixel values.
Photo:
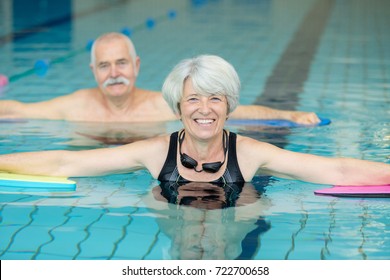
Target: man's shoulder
(83, 93)
(74, 102)
(81, 96)
(152, 98)
(148, 93)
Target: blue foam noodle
(274, 123)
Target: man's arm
(51, 109)
(12, 109)
(267, 113)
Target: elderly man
(115, 65)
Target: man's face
(115, 70)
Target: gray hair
(209, 74)
(113, 36)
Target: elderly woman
(203, 91)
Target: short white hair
(113, 36)
(210, 75)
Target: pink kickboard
(356, 191)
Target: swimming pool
(330, 57)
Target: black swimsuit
(170, 173)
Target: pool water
(330, 57)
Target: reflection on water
(76, 135)
(211, 221)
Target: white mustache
(113, 81)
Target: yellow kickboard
(34, 181)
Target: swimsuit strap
(233, 172)
(169, 171)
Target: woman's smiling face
(203, 116)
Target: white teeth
(203, 121)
